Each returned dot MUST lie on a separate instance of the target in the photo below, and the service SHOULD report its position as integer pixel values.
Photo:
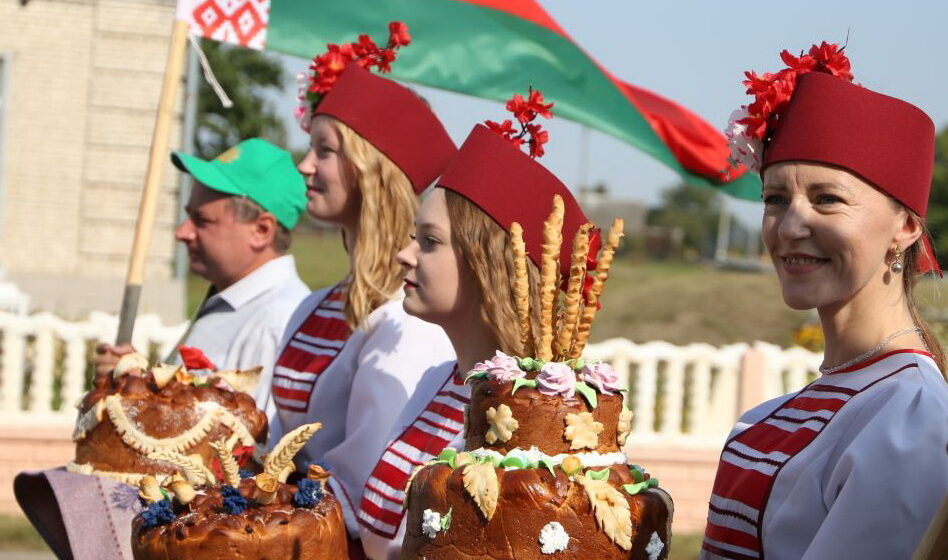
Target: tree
(245, 75)
(938, 203)
(692, 209)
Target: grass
(17, 533)
(685, 547)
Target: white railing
(683, 396)
(690, 396)
(45, 362)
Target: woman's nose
(307, 165)
(795, 222)
(406, 257)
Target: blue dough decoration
(158, 513)
(244, 473)
(308, 493)
(234, 501)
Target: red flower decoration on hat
(525, 111)
(752, 126)
(327, 67)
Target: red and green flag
(488, 48)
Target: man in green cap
(242, 207)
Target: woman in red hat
(458, 271)
(855, 464)
(351, 356)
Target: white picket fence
(683, 396)
(45, 361)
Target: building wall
(83, 80)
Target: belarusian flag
(490, 49)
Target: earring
(897, 265)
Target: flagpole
(149, 200)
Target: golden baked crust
(541, 419)
(165, 414)
(529, 500)
(202, 530)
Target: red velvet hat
(884, 140)
(509, 186)
(394, 120)
(389, 116)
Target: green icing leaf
(530, 364)
(489, 459)
(449, 457)
(515, 462)
(576, 363)
(476, 375)
(638, 475)
(599, 475)
(548, 465)
(633, 489)
(446, 520)
(588, 393)
(523, 382)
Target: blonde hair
(386, 218)
(910, 276)
(484, 245)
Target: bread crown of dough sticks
(565, 321)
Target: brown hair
(246, 210)
(910, 277)
(386, 218)
(485, 247)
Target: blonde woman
(458, 271)
(351, 356)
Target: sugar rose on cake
(543, 474)
(239, 515)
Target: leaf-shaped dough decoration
(476, 375)
(480, 481)
(610, 509)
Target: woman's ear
(910, 231)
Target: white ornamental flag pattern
(241, 22)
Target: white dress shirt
(240, 327)
(359, 396)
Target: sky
(695, 53)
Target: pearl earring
(897, 267)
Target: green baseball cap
(256, 169)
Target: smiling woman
(847, 173)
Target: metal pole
(724, 231)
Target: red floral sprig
(525, 111)
(753, 125)
(772, 91)
(326, 68)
